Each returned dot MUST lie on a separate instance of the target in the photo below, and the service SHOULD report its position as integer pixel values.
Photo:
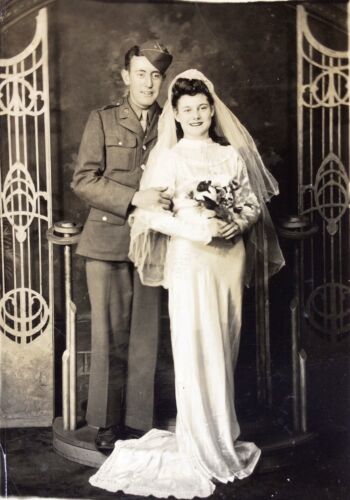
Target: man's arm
(89, 183)
(99, 191)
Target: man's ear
(126, 76)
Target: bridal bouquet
(223, 200)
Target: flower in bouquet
(222, 199)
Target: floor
(33, 469)
(319, 471)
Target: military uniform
(124, 313)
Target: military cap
(157, 54)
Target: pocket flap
(124, 142)
(106, 217)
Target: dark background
(249, 52)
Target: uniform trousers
(125, 321)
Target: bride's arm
(163, 221)
(246, 199)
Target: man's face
(144, 81)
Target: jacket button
(144, 147)
(120, 143)
(104, 218)
(142, 166)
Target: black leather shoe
(131, 433)
(107, 436)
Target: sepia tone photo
(174, 249)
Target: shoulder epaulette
(112, 105)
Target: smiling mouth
(147, 93)
(196, 124)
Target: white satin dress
(205, 281)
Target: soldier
(124, 314)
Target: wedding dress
(205, 280)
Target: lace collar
(200, 152)
(195, 143)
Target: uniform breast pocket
(103, 217)
(120, 152)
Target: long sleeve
(245, 199)
(163, 174)
(164, 222)
(90, 181)
(150, 229)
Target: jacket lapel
(128, 119)
(152, 131)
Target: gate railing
(26, 283)
(323, 183)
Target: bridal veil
(148, 248)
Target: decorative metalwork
(326, 312)
(329, 88)
(327, 81)
(331, 183)
(19, 190)
(23, 98)
(323, 180)
(24, 313)
(26, 306)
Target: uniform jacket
(113, 151)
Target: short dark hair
(133, 51)
(186, 86)
(192, 87)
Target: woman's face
(194, 113)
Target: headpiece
(157, 54)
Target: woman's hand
(228, 230)
(221, 229)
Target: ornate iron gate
(323, 180)
(26, 299)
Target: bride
(201, 258)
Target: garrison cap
(157, 54)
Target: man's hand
(152, 197)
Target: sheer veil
(148, 248)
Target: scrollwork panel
(323, 159)
(26, 281)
